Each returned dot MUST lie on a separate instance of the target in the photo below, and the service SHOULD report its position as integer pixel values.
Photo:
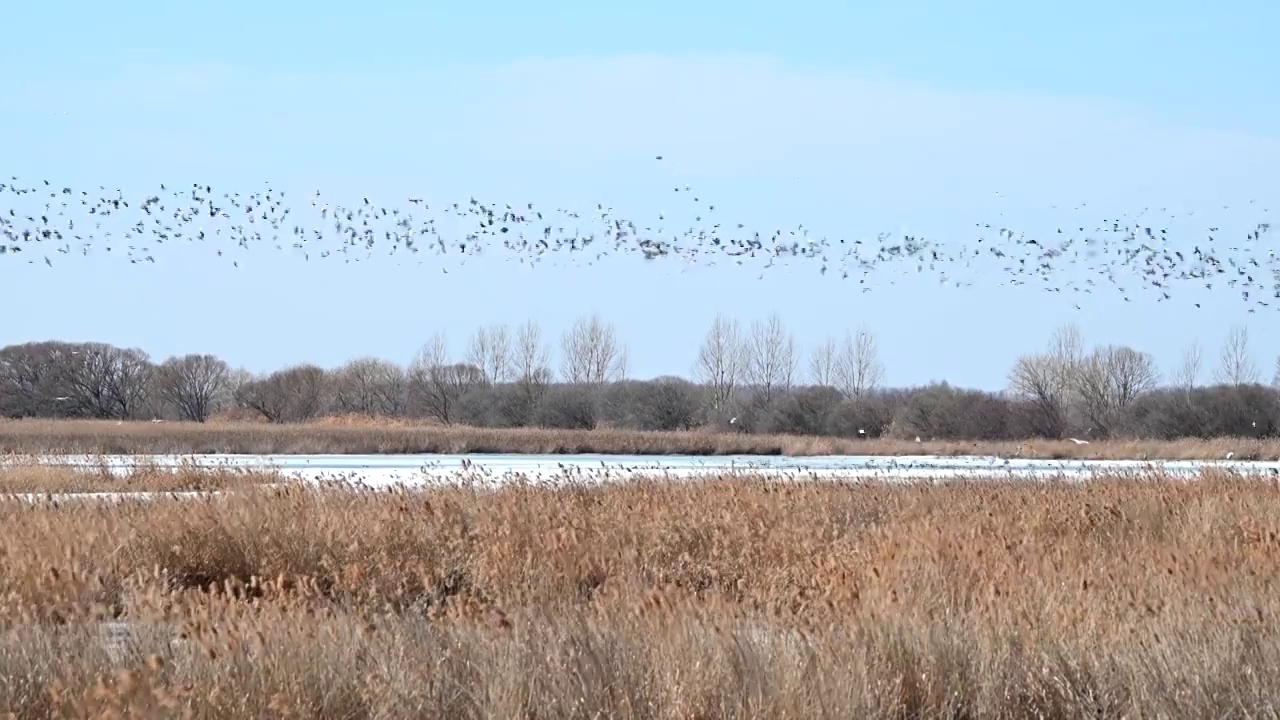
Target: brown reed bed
(26, 475)
(731, 597)
(96, 437)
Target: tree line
(744, 378)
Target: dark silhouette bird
(1133, 253)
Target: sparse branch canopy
(1109, 380)
(291, 395)
(437, 386)
(371, 386)
(770, 358)
(1048, 381)
(591, 353)
(1188, 373)
(1065, 390)
(490, 350)
(1235, 363)
(719, 363)
(1040, 381)
(822, 363)
(192, 384)
(858, 369)
(532, 357)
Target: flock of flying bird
(40, 219)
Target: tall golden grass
(731, 597)
(110, 437)
(24, 475)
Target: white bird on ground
(1078, 441)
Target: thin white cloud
(716, 116)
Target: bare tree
(1188, 373)
(1043, 381)
(290, 395)
(100, 380)
(129, 383)
(1236, 366)
(1067, 345)
(32, 380)
(530, 375)
(1049, 381)
(371, 386)
(1109, 380)
(237, 378)
(719, 364)
(592, 353)
(532, 357)
(769, 358)
(822, 363)
(858, 369)
(83, 375)
(435, 385)
(192, 384)
(490, 350)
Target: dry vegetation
(734, 597)
(24, 475)
(95, 437)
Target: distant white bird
(861, 431)
(1078, 441)
(917, 438)
(1229, 456)
(733, 420)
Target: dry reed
(24, 475)
(95, 437)
(731, 597)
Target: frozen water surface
(419, 469)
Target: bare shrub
(804, 411)
(662, 404)
(943, 412)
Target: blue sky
(851, 118)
